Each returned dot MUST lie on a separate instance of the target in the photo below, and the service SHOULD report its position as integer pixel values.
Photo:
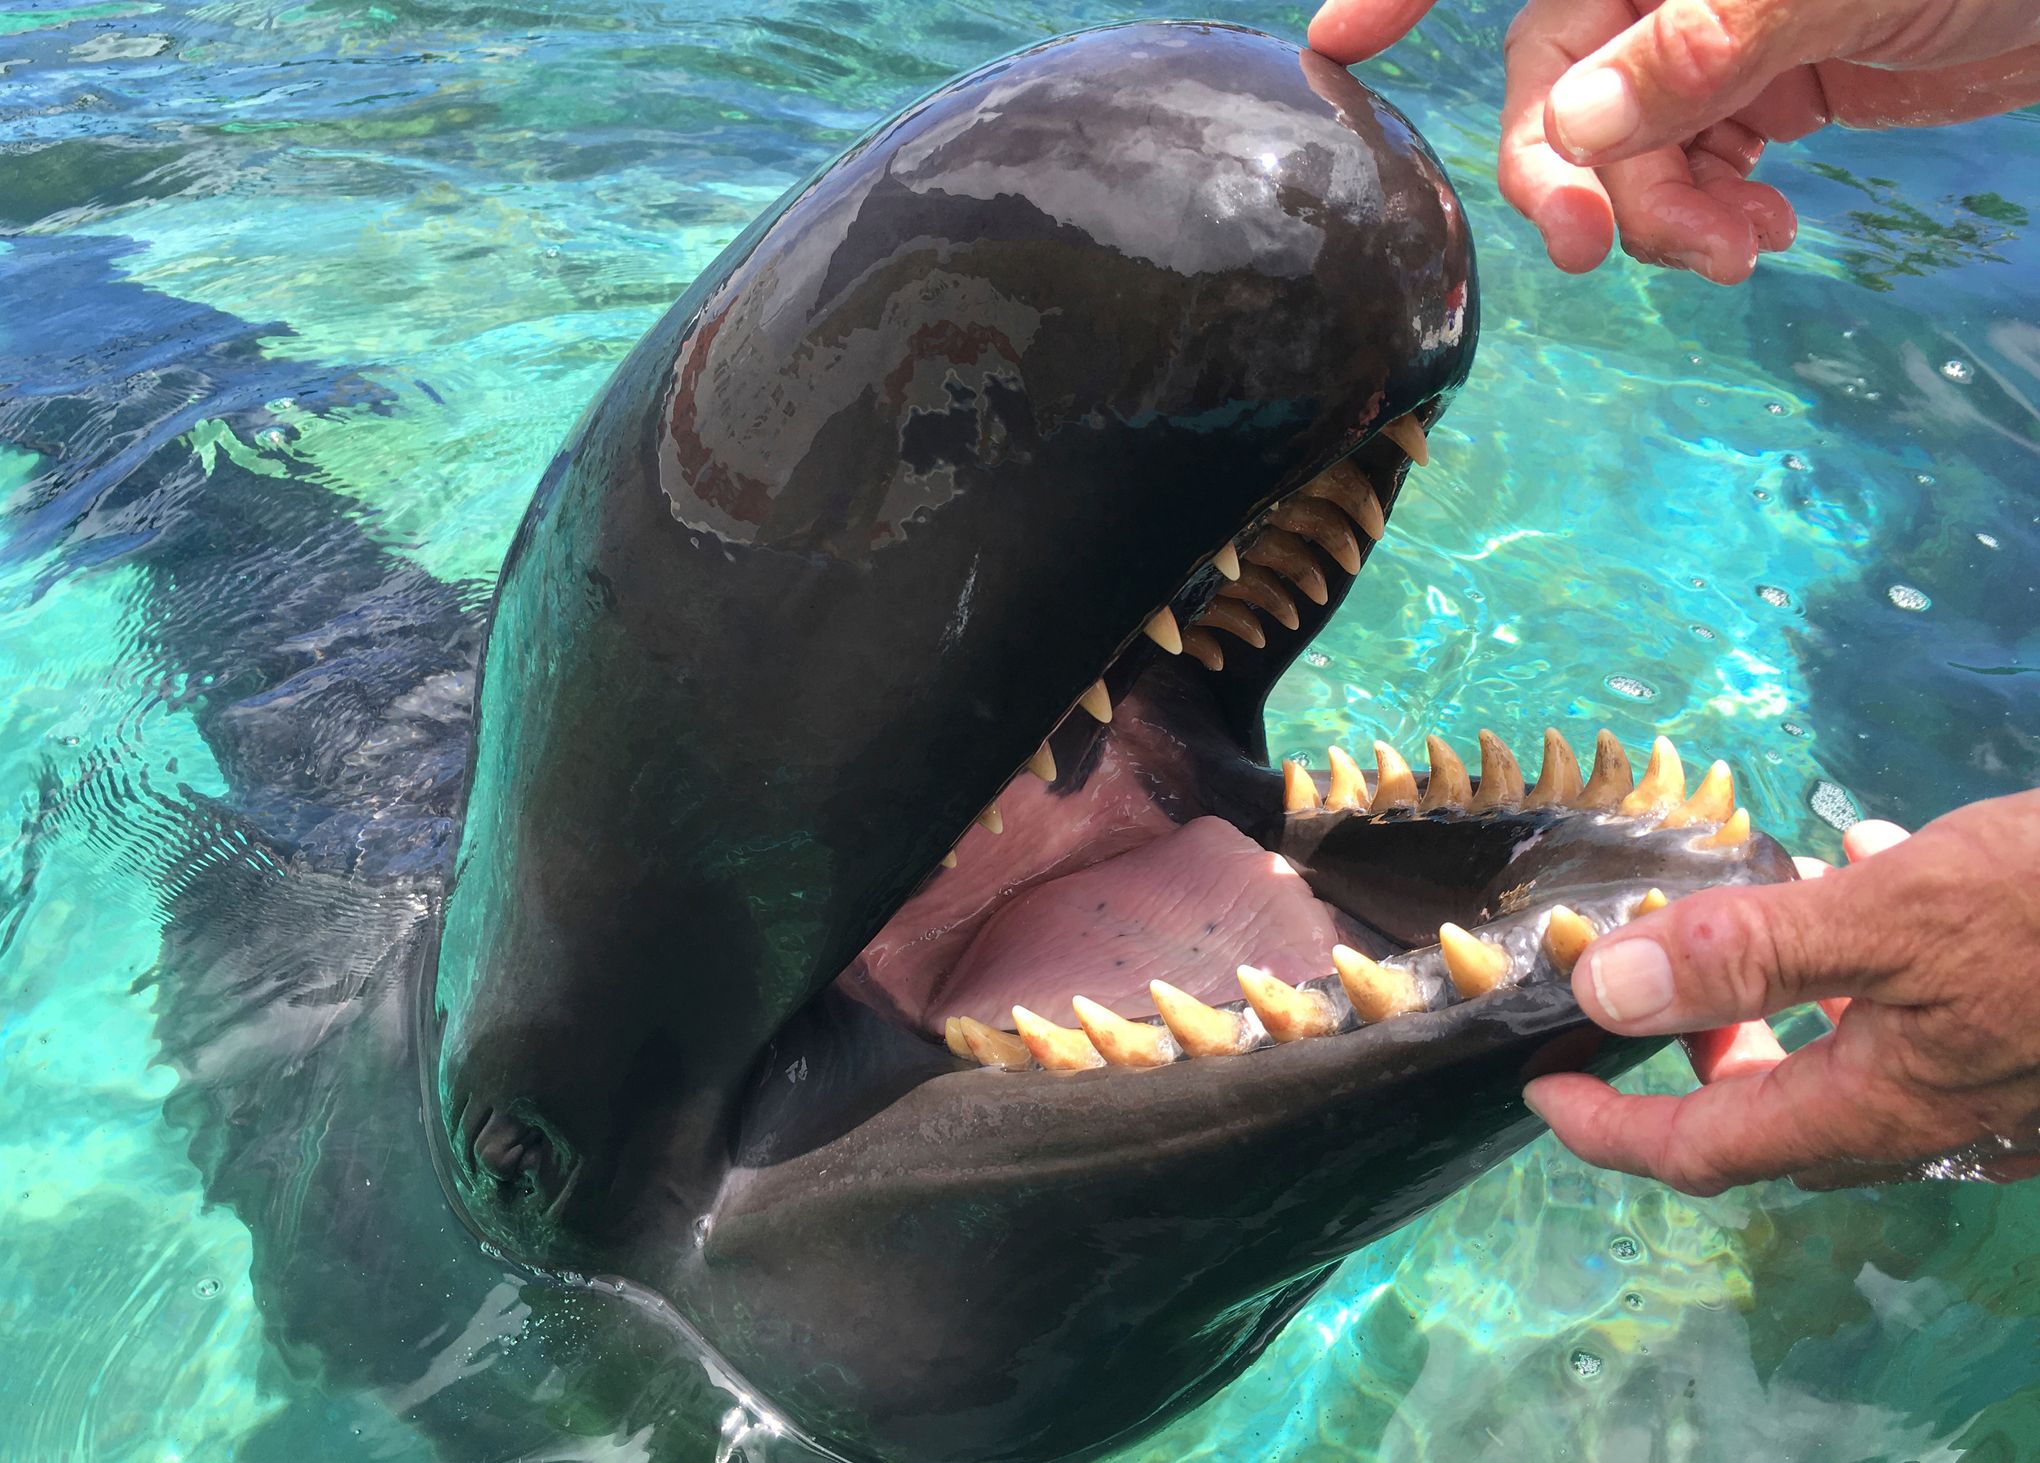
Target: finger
(1795, 1117)
(1666, 219)
(1352, 30)
(1811, 868)
(1733, 143)
(1732, 1051)
(1567, 204)
(1789, 108)
(1763, 207)
(1684, 67)
(1738, 954)
(1872, 835)
(1832, 1008)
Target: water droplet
(1907, 598)
(1833, 805)
(1989, 541)
(1795, 463)
(1702, 632)
(1634, 1300)
(1775, 408)
(1793, 729)
(1958, 371)
(1631, 687)
(207, 1288)
(1625, 1249)
(1773, 596)
(1586, 1364)
(1317, 658)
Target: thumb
(1740, 954)
(1352, 30)
(1685, 66)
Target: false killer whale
(819, 965)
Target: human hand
(1922, 950)
(1648, 117)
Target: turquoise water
(1793, 525)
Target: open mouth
(1147, 890)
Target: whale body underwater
(820, 965)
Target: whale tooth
(952, 1037)
(1612, 778)
(992, 1047)
(1056, 1047)
(1121, 1042)
(1395, 786)
(1476, 967)
(1097, 701)
(1501, 780)
(1202, 645)
(1232, 616)
(1285, 553)
(1448, 787)
(1346, 485)
(1377, 991)
(1712, 801)
(1289, 1012)
(1348, 792)
(1042, 763)
(1227, 562)
(1558, 783)
(1323, 525)
(949, 859)
(1299, 793)
(1262, 589)
(1201, 1030)
(1732, 834)
(1566, 934)
(1408, 433)
(1651, 903)
(1662, 785)
(1161, 628)
(990, 821)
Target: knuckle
(1739, 960)
(1696, 47)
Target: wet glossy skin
(849, 532)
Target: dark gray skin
(713, 762)
(932, 442)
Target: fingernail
(1632, 979)
(1530, 1100)
(1594, 110)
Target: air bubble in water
(1924, 479)
(1907, 598)
(1989, 541)
(1631, 687)
(1958, 371)
(1793, 729)
(1300, 758)
(1773, 596)
(1760, 495)
(1317, 658)
(1775, 408)
(1832, 804)
(1586, 1364)
(207, 1288)
(1702, 632)
(1795, 463)
(1634, 1300)
(1696, 582)
(1625, 1249)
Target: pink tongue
(1189, 908)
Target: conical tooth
(1232, 616)
(1558, 784)
(1476, 967)
(1323, 525)
(1262, 588)
(1346, 485)
(1376, 991)
(990, 821)
(949, 859)
(1651, 903)
(1042, 763)
(952, 1037)
(1348, 792)
(1161, 628)
(992, 1047)
(1395, 786)
(1712, 801)
(1202, 645)
(1565, 935)
(1501, 780)
(1097, 702)
(1056, 1047)
(1612, 778)
(1227, 562)
(1201, 1030)
(1663, 784)
(1732, 834)
(1408, 433)
(1121, 1042)
(1289, 1013)
(1299, 793)
(1287, 555)
(1448, 787)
